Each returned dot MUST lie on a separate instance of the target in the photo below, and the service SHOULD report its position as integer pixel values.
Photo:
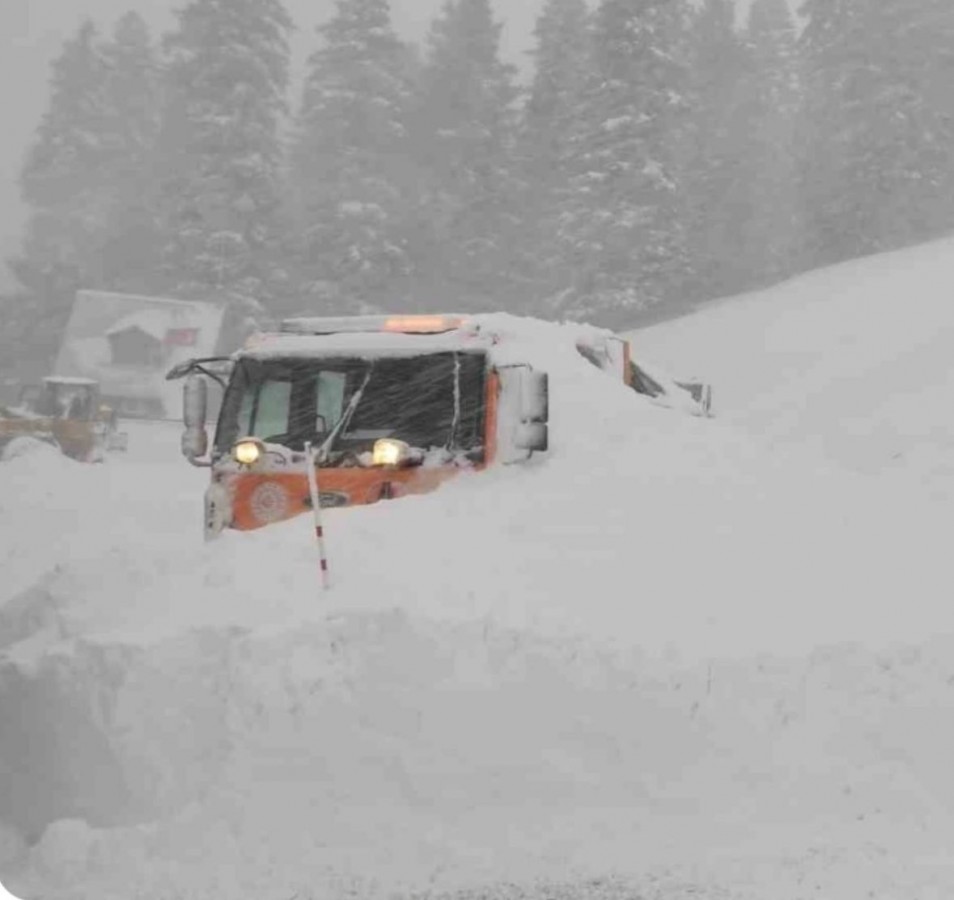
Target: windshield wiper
(342, 423)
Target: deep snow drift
(671, 651)
(852, 363)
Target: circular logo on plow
(269, 502)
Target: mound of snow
(378, 754)
(12, 846)
(27, 446)
(640, 526)
(606, 659)
(852, 362)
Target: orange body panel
(491, 400)
(261, 498)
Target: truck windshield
(430, 401)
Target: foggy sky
(32, 32)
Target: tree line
(661, 153)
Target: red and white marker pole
(316, 508)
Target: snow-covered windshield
(436, 400)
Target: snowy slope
(853, 362)
(667, 653)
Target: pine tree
(561, 56)
(88, 176)
(67, 146)
(827, 152)
(717, 134)
(351, 179)
(61, 183)
(622, 231)
(464, 142)
(227, 76)
(130, 252)
(770, 220)
(878, 147)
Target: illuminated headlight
(248, 451)
(389, 452)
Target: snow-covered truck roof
(364, 337)
(439, 323)
(411, 335)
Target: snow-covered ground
(689, 658)
(852, 363)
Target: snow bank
(852, 362)
(377, 754)
(605, 660)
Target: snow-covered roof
(71, 380)
(90, 296)
(98, 316)
(151, 321)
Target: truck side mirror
(195, 401)
(194, 444)
(532, 433)
(523, 413)
(536, 397)
(533, 436)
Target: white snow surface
(698, 658)
(852, 363)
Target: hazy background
(32, 32)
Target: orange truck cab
(392, 405)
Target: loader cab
(76, 399)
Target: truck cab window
(264, 409)
(432, 400)
(330, 400)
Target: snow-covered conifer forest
(658, 154)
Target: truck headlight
(390, 452)
(248, 451)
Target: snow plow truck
(395, 405)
